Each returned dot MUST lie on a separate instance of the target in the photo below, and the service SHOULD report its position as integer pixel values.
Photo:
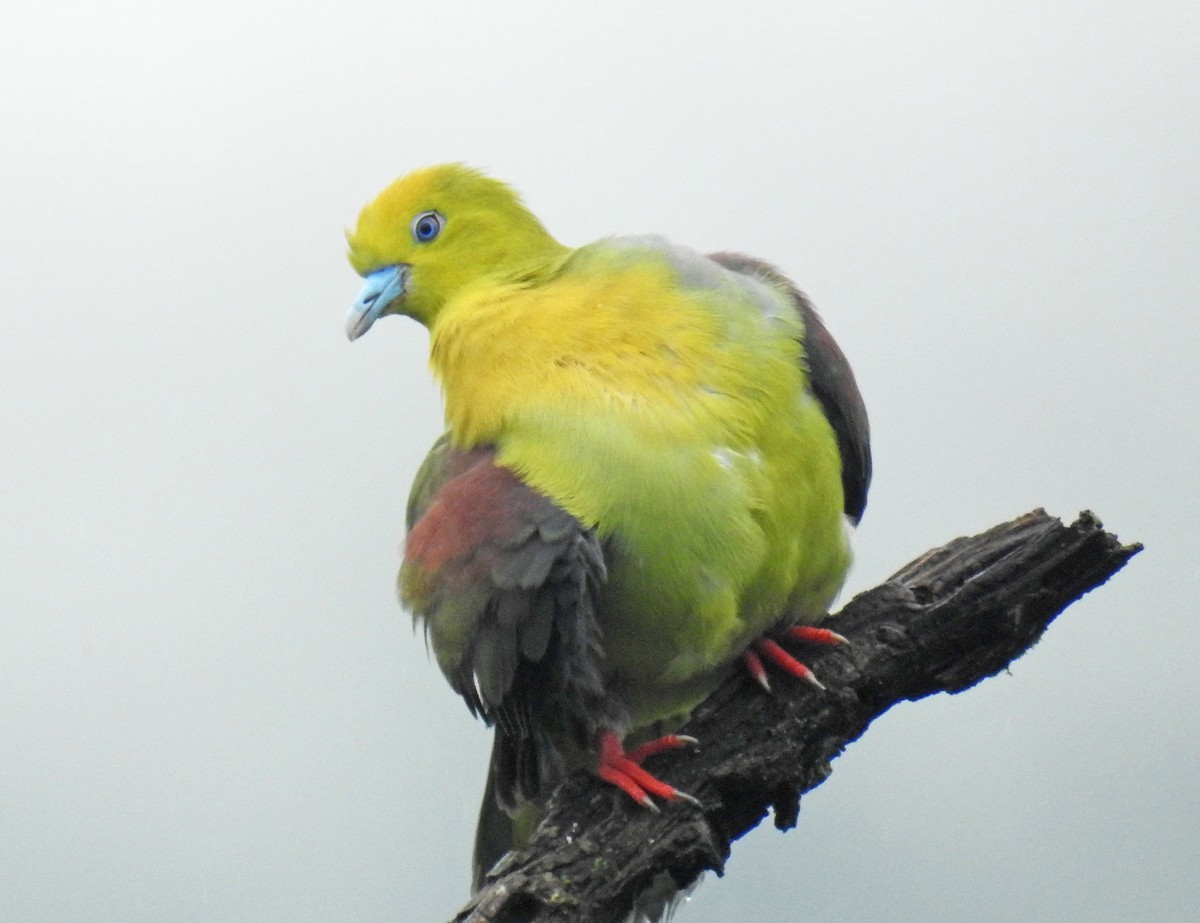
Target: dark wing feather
(831, 380)
(504, 581)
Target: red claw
(770, 650)
(815, 635)
(755, 666)
(624, 770)
(781, 658)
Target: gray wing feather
(512, 616)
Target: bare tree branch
(953, 617)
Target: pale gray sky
(211, 707)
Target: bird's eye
(426, 226)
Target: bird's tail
(493, 834)
(498, 830)
(497, 833)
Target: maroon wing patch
(504, 581)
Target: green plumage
(641, 473)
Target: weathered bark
(956, 615)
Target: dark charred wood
(955, 616)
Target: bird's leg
(771, 650)
(624, 770)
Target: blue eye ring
(427, 226)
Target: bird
(652, 466)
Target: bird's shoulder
(686, 271)
(467, 511)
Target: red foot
(766, 647)
(755, 665)
(624, 770)
(815, 635)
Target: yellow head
(436, 231)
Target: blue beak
(383, 287)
